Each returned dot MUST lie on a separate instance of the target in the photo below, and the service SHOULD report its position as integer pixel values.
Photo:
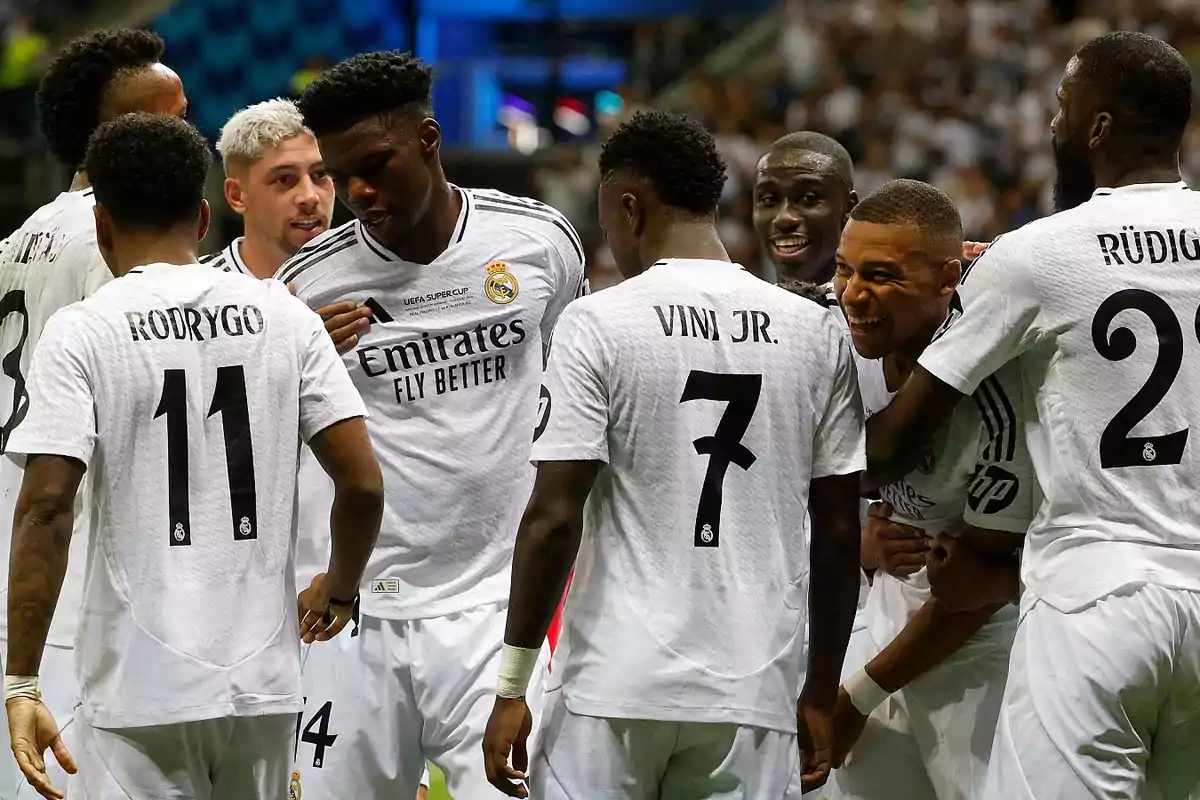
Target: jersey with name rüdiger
(50, 262)
(187, 392)
(1098, 306)
(450, 368)
(713, 398)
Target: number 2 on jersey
(229, 399)
(724, 446)
(14, 303)
(1117, 447)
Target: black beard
(1074, 181)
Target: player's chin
(871, 340)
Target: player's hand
(814, 729)
(848, 725)
(900, 549)
(963, 580)
(345, 322)
(507, 732)
(973, 250)
(31, 729)
(320, 620)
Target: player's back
(1113, 354)
(692, 578)
(50, 262)
(190, 610)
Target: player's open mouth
(374, 219)
(790, 246)
(307, 224)
(863, 323)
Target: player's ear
(104, 230)
(235, 195)
(429, 134)
(951, 275)
(1101, 129)
(203, 220)
(851, 202)
(635, 212)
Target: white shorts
(601, 758)
(859, 651)
(1104, 702)
(233, 758)
(60, 693)
(400, 692)
(932, 739)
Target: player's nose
(359, 193)
(787, 220)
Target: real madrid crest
(500, 285)
(294, 792)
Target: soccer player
(50, 262)
(696, 413)
(803, 193)
(1097, 307)
(275, 179)
(465, 287)
(933, 683)
(204, 381)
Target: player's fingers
(346, 345)
(882, 510)
(292, 288)
(357, 319)
(520, 756)
(904, 565)
(894, 547)
(815, 776)
(63, 756)
(36, 776)
(334, 309)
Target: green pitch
(437, 784)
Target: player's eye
(765, 200)
(844, 270)
(319, 176)
(810, 198)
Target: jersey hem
(564, 452)
(591, 707)
(99, 718)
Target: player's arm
(332, 421)
(978, 569)
(834, 558)
(569, 269)
(997, 322)
(570, 449)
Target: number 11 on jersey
(724, 446)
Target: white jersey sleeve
(577, 418)
(1002, 491)
(62, 419)
(995, 317)
(327, 395)
(840, 444)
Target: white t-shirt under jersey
(713, 398)
(1098, 306)
(186, 391)
(976, 472)
(450, 368)
(50, 262)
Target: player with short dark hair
(186, 392)
(919, 708)
(1096, 306)
(742, 402)
(464, 287)
(803, 192)
(50, 262)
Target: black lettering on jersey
(754, 325)
(1132, 246)
(377, 311)
(991, 489)
(429, 349)
(697, 323)
(14, 303)
(1117, 447)
(188, 323)
(36, 246)
(544, 406)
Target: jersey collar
(234, 252)
(1142, 188)
(697, 262)
(377, 249)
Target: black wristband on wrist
(333, 601)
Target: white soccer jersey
(50, 262)
(228, 259)
(1098, 305)
(186, 391)
(977, 471)
(713, 398)
(450, 368)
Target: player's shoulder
(498, 213)
(331, 249)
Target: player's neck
(139, 250)
(900, 363)
(79, 182)
(688, 239)
(1132, 174)
(263, 258)
(430, 237)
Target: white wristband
(516, 668)
(21, 686)
(865, 693)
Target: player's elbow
(549, 519)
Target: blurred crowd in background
(956, 92)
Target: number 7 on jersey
(724, 446)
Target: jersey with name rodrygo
(228, 259)
(1098, 306)
(187, 392)
(49, 262)
(451, 369)
(712, 398)
(976, 472)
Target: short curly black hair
(904, 201)
(674, 153)
(148, 171)
(69, 97)
(1145, 83)
(819, 143)
(364, 86)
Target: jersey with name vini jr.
(450, 369)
